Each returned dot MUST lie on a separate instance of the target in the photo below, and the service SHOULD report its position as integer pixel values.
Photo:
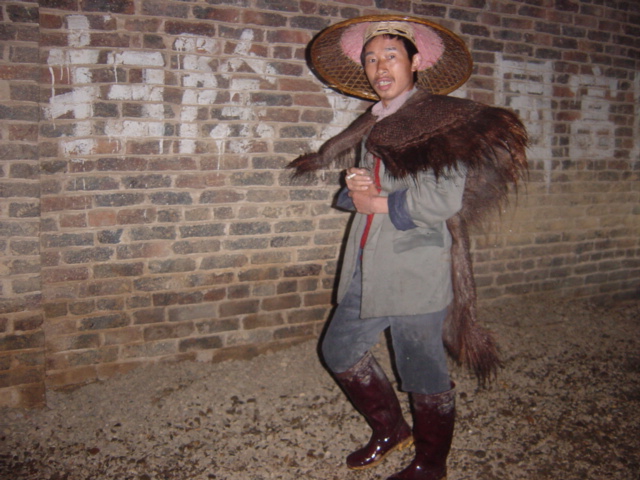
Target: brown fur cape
(435, 132)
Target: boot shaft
(370, 391)
(434, 420)
(433, 424)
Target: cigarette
(350, 176)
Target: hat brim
(331, 64)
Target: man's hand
(364, 193)
(358, 180)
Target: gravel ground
(566, 406)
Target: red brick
(58, 275)
(238, 307)
(142, 24)
(285, 115)
(76, 220)
(136, 217)
(229, 15)
(153, 315)
(311, 100)
(67, 378)
(201, 180)
(51, 204)
(284, 302)
(288, 36)
(102, 218)
(206, 29)
(261, 18)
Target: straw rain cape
(435, 132)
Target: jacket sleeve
(344, 201)
(427, 201)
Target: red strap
(367, 227)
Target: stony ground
(566, 406)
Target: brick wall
(21, 316)
(145, 213)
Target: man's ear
(415, 62)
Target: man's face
(388, 68)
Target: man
(426, 167)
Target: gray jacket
(406, 263)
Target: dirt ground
(566, 406)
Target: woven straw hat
(334, 54)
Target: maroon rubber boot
(433, 421)
(370, 391)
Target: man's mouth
(383, 83)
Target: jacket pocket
(414, 238)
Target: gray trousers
(417, 342)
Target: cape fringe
(466, 341)
(334, 149)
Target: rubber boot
(433, 421)
(370, 391)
